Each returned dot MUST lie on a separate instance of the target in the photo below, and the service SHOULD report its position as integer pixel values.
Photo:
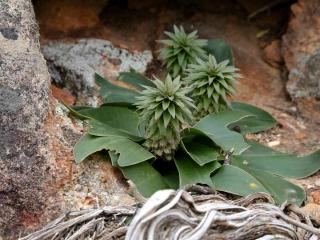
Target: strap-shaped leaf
(215, 126)
(200, 149)
(115, 95)
(190, 172)
(244, 181)
(130, 153)
(145, 177)
(121, 118)
(235, 180)
(135, 79)
(279, 188)
(104, 130)
(220, 49)
(263, 158)
(262, 121)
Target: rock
(301, 49)
(271, 54)
(94, 182)
(39, 179)
(315, 197)
(317, 183)
(313, 210)
(273, 143)
(63, 95)
(60, 17)
(25, 164)
(74, 64)
(309, 108)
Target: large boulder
(25, 163)
(301, 49)
(38, 177)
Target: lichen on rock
(73, 64)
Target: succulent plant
(164, 109)
(181, 49)
(211, 83)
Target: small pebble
(273, 143)
(317, 183)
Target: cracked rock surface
(73, 64)
(25, 171)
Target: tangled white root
(178, 215)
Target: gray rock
(73, 65)
(306, 83)
(301, 50)
(38, 176)
(25, 176)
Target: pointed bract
(181, 49)
(211, 82)
(164, 110)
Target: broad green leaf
(262, 121)
(220, 49)
(280, 189)
(130, 153)
(104, 130)
(117, 117)
(145, 177)
(190, 172)
(114, 158)
(135, 79)
(235, 180)
(113, 94)
(200, 149)
(215, 126)
(263, 158)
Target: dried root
(177, 215)
(94, 224)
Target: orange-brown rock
(62, 16)
(313, 210)
(315, 196)
(310, 109)
(63, 95)
(272, 55)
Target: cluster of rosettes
(211, 83)
(164, 109)
(181, 49)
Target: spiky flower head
(165, 109)
(211, 84)
(181, 49)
